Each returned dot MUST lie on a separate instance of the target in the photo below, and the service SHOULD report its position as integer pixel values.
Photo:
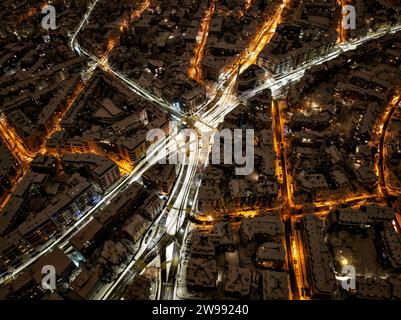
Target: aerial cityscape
(200, 150)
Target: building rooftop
(238, 281)
(275, 285)
(201, 273)
(270, 226)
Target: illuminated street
(195, 71)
